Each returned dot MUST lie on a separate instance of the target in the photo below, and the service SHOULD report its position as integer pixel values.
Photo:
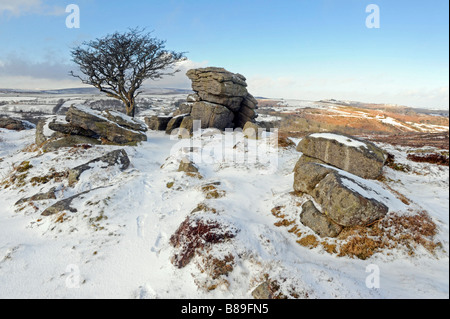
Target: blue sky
(304, 49)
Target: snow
(117, 244)
(341, 139)
(391, 121)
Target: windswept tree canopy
(118, 64)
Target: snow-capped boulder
(348, 202)
(355, 156)
(125, 121)
(88, 119)
(43, 131)
(69, 129)
(346, 199)
(12, 124)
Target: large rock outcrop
(221, 101)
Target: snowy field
(117, 244)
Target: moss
(204, 208)
(194, 175)
(56, 176)
(212, 192)
(170, 184)
(24, 167)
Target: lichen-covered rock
(38, 197)
(187, 166)
(308, 175)
(186, 127)
(318, 222)
(12, 124)
(63, 205)
(82, 116)
(253, 131)
(157, 123)
(184, 108)
(118, 157)
(212, 115)
(175, 123)
(344, 200)
(218, 86)
(263, 292)
(55, 143)
(355, 156)
(69, 129)
(125, 121)
(44, 133)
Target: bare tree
(119, 63)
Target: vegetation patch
(216, 270)
(433, 158)
(271, 289)
(212, 192)
(23, 167)
(52, 176)
(404, 232)
(18, 175)
(391, 163)
(195, 234)
(202, 207)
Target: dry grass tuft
(394, 231)
(404, 232)
(309, 241)
(434, 158)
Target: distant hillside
(93, 91)
(389, 107)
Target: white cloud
(31, 83)
(20, 73)
(18, 8)
(179, 80)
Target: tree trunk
(130, 108)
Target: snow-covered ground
(118, 243)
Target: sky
(292, 49)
